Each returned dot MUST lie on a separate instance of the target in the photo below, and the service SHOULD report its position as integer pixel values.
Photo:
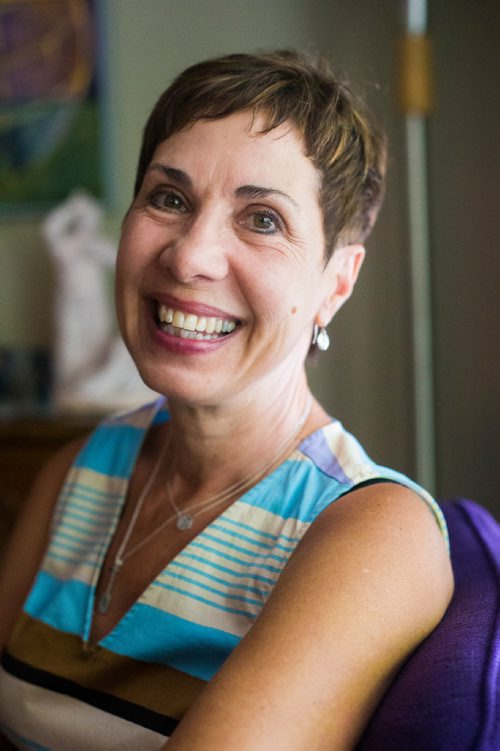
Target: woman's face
(225, 232)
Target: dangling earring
(320, 338)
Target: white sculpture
(92, 367)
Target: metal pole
(417, 103)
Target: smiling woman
(230, 215)
(194, 557)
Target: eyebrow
(173, 173)
(244, 191)
(256, 191)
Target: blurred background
(122, 55)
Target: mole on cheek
(294, 310)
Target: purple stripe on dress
(317, 449)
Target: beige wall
(366, 378)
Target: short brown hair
(338, 133)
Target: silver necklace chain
(184, 519)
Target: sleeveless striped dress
(130, 690)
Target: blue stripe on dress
(106, 513)
(204, 600)
(153, 635)
(226, 557)
(227, 520)
(82, 540)
(205, 535)
(80, 548)
(73, 561)
(113, 446)
(210, 577)
(212, 590)
(292, 491)
(245, 538)
(90, 500)
(69, 488)
(58, 603)
(86, 519)
(226, 570)
(85, 530)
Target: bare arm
(29, 538)
(369, 581)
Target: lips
(186, 325)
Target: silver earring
(320, 338)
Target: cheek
(128, 245)
(120, 280)
(281, 301)
(119, 295)
(132, 257)
(126, 275)
(122, 255)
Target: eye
(167, 200)
(264, 221)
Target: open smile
(190, 326)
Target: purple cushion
(447, 695)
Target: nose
(199, 251)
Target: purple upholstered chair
(447, 695)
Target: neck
(213, 447)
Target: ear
(341, 273)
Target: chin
(181, 386)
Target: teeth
(190, 326)
(168, 328)
(165, 314)
(179, 318)
(228, 326)
(190, 322)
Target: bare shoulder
(383, 536)
(368, 582)
(384, 519)
(29, 538)
(376, 559)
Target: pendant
(105, 598)
(184, 521)
(104, 601)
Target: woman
(232, 559)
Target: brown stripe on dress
(159, 688)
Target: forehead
(235, 149)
